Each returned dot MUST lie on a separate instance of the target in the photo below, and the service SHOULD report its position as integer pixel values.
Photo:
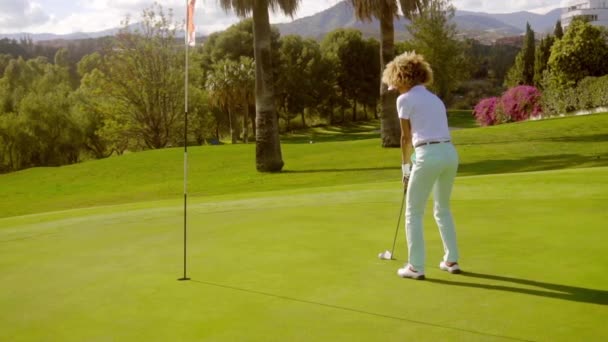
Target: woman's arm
(406, 147)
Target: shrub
(516, 104)
(485, 111)
(520, 103)
(592, 92)
(589, 93)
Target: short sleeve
(404, 108)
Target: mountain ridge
(471, 24)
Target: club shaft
(398, 222)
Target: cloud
(62, 17)
(494, 6)
(16, 15)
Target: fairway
(301, 265)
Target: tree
(523, 70)
(143, 75)
(37, 127)
(4, 60)
(268, 146)
(232, 43)
(558, 31)
(102, 134)
(543, 52)
(231, 87)
(345, 49)
(435, 37)
(299, 76)
(367, 92)
(385, 11)
(582, 52)
(528, 53)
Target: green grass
(573, 142)
(300, 265)
(91, 252)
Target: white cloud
(60, 16)
(494, 6)
(16, 15)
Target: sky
(62, 17)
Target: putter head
(386, 255)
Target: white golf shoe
(407, 272)
(454, 269)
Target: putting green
(301, 265)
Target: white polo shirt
(427, 115)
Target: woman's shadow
(572, 293)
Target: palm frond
(243, 8)
(411, 8)
(368, 9)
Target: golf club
(386, 255)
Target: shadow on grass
(535, 163)
(575, 138)
(580, 138)
(343, 170)
(354, 131)
(328, 137)
(493, 166)
(352, 310)
(563, 292)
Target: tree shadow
(534, 163)
(600, 137)
(343, 170)
(580, 138)
(563, 292)
(348, 132)
(328, 137)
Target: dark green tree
(301, 73)
(523, 70)
(558, 31)
(543, 52)
(345, 50)
(582, 52)
(386, 11)
(435, 36)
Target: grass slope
(338, 156)
(300, 264)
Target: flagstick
(186, 150)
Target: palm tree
(231, 86)
(386, 11)
(268, 146)
(222, 88)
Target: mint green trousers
(434, 170)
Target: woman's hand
(406, 171)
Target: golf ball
(386, 255)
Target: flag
(190, 29)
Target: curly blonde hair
(408, 69)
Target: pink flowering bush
(521, 103)
(516, 104)
(485, 111)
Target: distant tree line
(98, 98)
(564, 72)
(565, 66)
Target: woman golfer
(424, 127)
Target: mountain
(37, 37)
(484, 26)
(470, 23)
(540, 23)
